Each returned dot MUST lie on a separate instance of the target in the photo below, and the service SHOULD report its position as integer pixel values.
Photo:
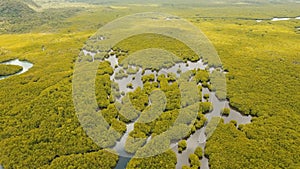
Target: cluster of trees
(129, 85)
(162, 122)
(121, 74)
(182, 145)
(20, 17)
(151, 59)
(194, 161)
(206, 107)
(225, 111)
(148, 78)
(212, 125)
(9, 8)
(167, 122)
(155, 41)
(226, 140)
(218, 84)
(214, 81)
(113, 116)
(132, 70)
(172, 92)
(133, 144)
(39, 125)
(6, 70)
(164, 53)
(269, 141)
(103, 90)
(206, 97)
(164, 160)
(139, 99)
(99, 159)
(199, 152)
(144, 126)
(202, 76)
(200, 121)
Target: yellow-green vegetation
(212, 125)
(132, 70)
(262, 81)
(38, 124)
(199, 152)
(9, 8)
(165, 160)
(17, 16)
(153, 41)
(130, 85)
(225, 111)
(194, 161)
(182, 145)
(100, 159)
(206, 107)
(6, 70)
(170, 118)
(206, 96)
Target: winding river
(25, 65)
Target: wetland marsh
(41, 128)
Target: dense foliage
(96, 160)
(38, 122)
(6, 70)
(18, 16)
(225, 111)
(165, 160)
(194, 161)
(14, 8)
(149, 40)
(39, 127)
(262, 81)
(182, 145)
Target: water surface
(25, 64)
(198, 138)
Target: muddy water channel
(198, 138)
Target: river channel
(25, 65)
